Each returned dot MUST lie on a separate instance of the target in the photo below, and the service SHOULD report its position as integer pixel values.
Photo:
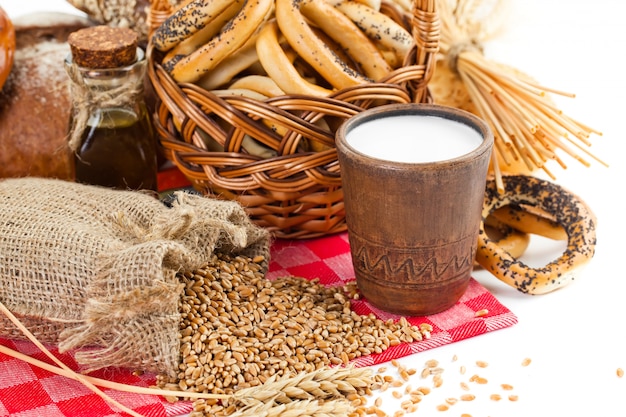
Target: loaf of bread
(35, 99)
(7, 45)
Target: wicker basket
(296, 193)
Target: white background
(575, 336)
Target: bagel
(233, 35)
(345, 32)
(530, 220)
(293, 25)
(186, 21)
(225, 71)
(240, 91)
(404, 5)
(374, 4)
(202, 36)
(279, 66)
(513, 241)
(568, 210)
(335, 48)
(262, 84)
(378, 26)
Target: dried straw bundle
(527, 126)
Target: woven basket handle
(426, 31)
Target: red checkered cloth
(329, 260)
(26, 390)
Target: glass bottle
(111, 133)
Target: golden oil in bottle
(115, 151)
(112, 136)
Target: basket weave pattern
(295, 193)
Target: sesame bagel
(567, 209)
(186, 21)
(530, 220)
(301, 37)
(512, 240)
(232, 36)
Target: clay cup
(413, 178)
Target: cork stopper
(102, 47)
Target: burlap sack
(94, 269)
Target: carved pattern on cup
(402, 265)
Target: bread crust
(7, 45)
(35, 100)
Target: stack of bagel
(266, 48)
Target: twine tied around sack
(88, 96)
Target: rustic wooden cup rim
(421, 109)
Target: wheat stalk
(321, 384)
(304, 408)
(305, 393)
(63, 368)
(526, 124)
(319, 393)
